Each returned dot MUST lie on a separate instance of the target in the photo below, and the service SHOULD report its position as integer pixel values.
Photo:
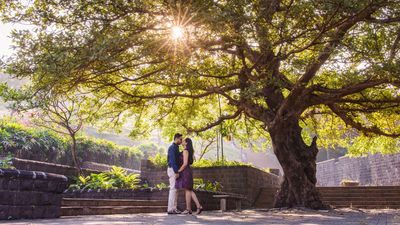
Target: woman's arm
(185, 160)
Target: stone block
(53, 186)
(40, 185)
(23, 198)
(4, 183)
(52, 212)
(26, 184)
(4, 212)
(14, 184)
(7, 197)
(26, 211)
(14, 212)
(39, 212)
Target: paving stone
(248, 217)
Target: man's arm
(172, 159)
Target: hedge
(44, 145)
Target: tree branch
(313, 67)
(335, 95)
(382, 21)
(216, 123)
(359, 126)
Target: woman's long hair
(189, 147)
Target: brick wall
(28, 194)
(244, 180)
(370, 170)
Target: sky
(5, 40)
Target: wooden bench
(224, 197)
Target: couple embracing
(180, 175)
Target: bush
(151, 150)
(212, 163)
(161, 186)
(102, 151)
(116, 178)
(45, 145)
(199, 184)
(6, 162)
(31, 143)
(160, 161)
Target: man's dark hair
(177, 135)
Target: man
(172, 171)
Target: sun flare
(177, 32)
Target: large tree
(282, 69)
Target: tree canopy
(324, 68)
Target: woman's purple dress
(185, 179)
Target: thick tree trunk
(298, 161)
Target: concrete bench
(223, 198)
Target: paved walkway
(247, 217)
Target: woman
(185, 179)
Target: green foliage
(199, 184)
(150, 150)
(107, 152)
(161, 186)
(212, 163)
(6, 162)
(116, 178)
(160, 161)
(45, 145)
(32, 143)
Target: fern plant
(6, 162)
(199, 184)
(116, 178)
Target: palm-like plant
(116, 178)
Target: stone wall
(31, 165)
(206, 198)
(244, 180)
(372, 170)
(103, 167)
(28, 194)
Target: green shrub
(199, 184)
(150, 150)
(35, 144)
(6, 162)
(45, 145)
(161, 186)
(116, 178)
(102, 151)
(212, 163)
(160, 161)
(145, 185)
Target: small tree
(64, 116)
(205, 145)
